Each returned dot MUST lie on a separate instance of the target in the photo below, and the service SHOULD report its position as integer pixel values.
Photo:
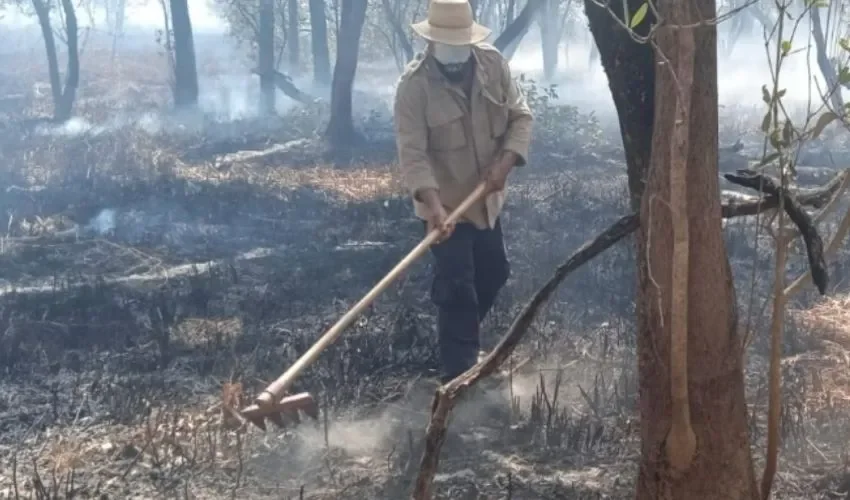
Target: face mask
(452, 59)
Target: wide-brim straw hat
(450, 22)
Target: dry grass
(830, 318)
(368, 183)
(214, 332)
(829, 366)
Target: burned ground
(148, 277)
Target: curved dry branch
(447, 395)
(801, 218)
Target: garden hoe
(272, 402)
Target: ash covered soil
(152, 276)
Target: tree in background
(265, 56)
(63, 95)
(185, 68)
(319, 42)
(293, 36)
(341, 131)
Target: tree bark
(630, 68)
(645, 101)
(340, 131)
(508, 41)
(265, 57)
(294, 36)
(63, 97)
(185, 68)
(319, 43)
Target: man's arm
(411, 132)
(520, 119)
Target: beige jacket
(446, 143)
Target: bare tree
(319, 42)
(340, 131)
(185, 68)
(400, 42)
(510, 38)
(63, 96)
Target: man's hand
(437, 215)
(497, 174)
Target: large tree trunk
(63, 98)
(319, 42)
(294, 36)
(185, 68)
(340, 131)
(265, 57)
(630, 68)
(722, 467)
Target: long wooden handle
(275, 391)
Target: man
(460, 119)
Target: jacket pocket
(445, 126)
(497, 112)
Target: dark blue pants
(470, 269)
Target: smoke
(581, 82)
(104, 222)
(230, 92)
(385, 437)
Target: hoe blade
(286, 409)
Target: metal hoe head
(280, 411)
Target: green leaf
(765, 95)
(824, 120)
(775, 140)
(844, 43)
(781, 93)
(639, 15)
(787, 133)
(765, 123)
(843, 75)
(786, 47)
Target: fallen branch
(810, 197)
(834, 245)
(268, 155)
(284, 83)
(447, 395)
(795, 211)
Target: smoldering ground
(147, 264)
